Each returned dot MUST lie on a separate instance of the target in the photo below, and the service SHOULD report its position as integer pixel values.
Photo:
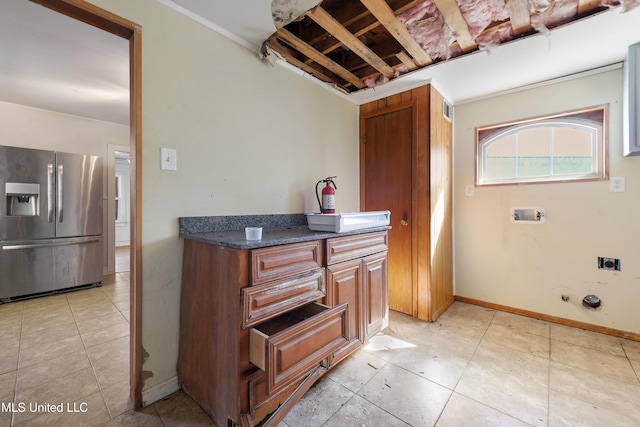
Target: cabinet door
(376, 307)
(345, 285)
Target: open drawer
(289, 346)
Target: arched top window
(563, 147)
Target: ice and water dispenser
(22, 199)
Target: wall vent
(447, 110)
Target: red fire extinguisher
(328, 203)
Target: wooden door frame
(107, 21)
(420, 228)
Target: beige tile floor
(474, 367)
(479, 367)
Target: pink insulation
(426, 25)
(559, 12)
(477, 14)
(376, 80)
(488, 24)
(628, 5)
(495, 37)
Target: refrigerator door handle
(60, 193)
(50, 190)
(47, 245)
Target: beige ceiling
(53, 62)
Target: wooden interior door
(388, 175)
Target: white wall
(250, 139)
(530, 266)
(29, 127)
(123, 225)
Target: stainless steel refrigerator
(50, 221)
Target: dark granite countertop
(228, 231)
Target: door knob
(404, 222)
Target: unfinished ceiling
(355, 44)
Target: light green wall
(530, 266)
(250, 139)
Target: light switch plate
(168, 160)
(617, 184)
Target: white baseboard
(159, 391)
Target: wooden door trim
(107, 21)
(391, 109)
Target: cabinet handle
(404, 222)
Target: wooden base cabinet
(361, 281)
(254, 336)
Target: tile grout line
(637, 372)
(15, 384)
(475, 350)
(93, 369)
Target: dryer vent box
(528, 215)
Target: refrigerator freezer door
(35, 266)
(78, 262)
(26, 193)
(78, 195)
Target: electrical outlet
(168, 160)
(608, 263)
(617, 184)
(468, 190)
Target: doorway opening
(121, 210)
(104, 20)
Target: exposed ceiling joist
(369, 42)
(454, 19)
(383, 13)
(318, 57)
(326, 21)
(519, 14)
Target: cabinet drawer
(263, 302)
(357, 246)
(289, 346)
(277, 262)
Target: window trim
(485, 134)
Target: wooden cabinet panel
(376, 307)
(350, 247)
(345, 285)
(362, 283)
(420, 250)
(281, 261)
(289, 346)
(263, 302)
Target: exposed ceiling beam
(326, 21)
(318, 57)
(453, 17)
(381, 10)
(406, 60)
(519, 15)
(273, 44)
(587, 5)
